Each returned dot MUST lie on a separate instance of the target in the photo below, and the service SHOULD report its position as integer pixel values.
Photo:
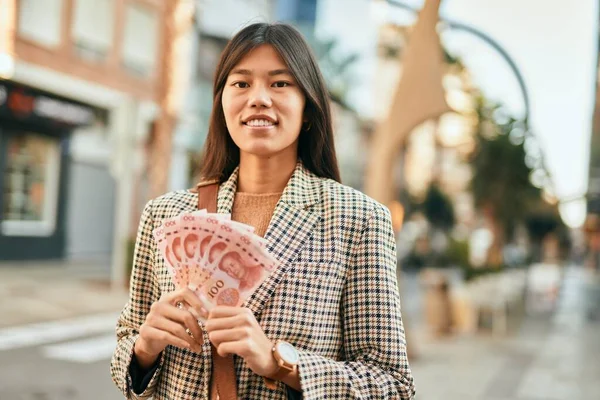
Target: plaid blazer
(334, 297)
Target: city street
(467, 132)
(57, 331)
(549, 358)
(65, 360)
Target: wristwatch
(287, 358)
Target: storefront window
(30, 189)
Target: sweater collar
(302, 190)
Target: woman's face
(263, 105)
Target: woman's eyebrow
(279, 72)
(241, 71)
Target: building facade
(80, 90)
(592, 223)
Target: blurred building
(593, 205)
(592, 223)
(80, 89)
(302, 13)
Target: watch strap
(271, 382)
(283, 370)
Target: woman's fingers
(167, 337)
(228, 335)
(174, 320)
(230, 317)
(224, 323)
(200, 316)
(226, 311)
(177, 330)
(185, 319)
(184, 296)
(238, 347)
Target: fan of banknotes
(221, 260)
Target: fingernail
(207, 304)
(194, 312)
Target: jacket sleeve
(376, 364)
(143, 291)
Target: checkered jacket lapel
(292, 223)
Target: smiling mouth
(260, 123)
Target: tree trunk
(495, 257)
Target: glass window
(30, 189)
(140, 44)
(93, 28)
(39, 20)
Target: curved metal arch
(486, 38)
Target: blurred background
(476, 123)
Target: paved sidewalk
(38, 292)
(549, 358)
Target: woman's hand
(168, 324)
(234, 330)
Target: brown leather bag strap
(223, 381)
(207, 197)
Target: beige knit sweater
(255, 209)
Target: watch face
(288, 353)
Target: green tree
(500, 185)
(438, 209)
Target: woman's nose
(259, 97)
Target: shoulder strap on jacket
(207, 196)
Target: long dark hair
(316, 145)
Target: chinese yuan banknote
(237, 264)
(168, 240)
(222, 261)
(196, 234)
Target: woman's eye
(241, 85)
(281, 84)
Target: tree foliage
(500, 184)
(438, 208)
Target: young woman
(326, 324)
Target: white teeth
(259, 122)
